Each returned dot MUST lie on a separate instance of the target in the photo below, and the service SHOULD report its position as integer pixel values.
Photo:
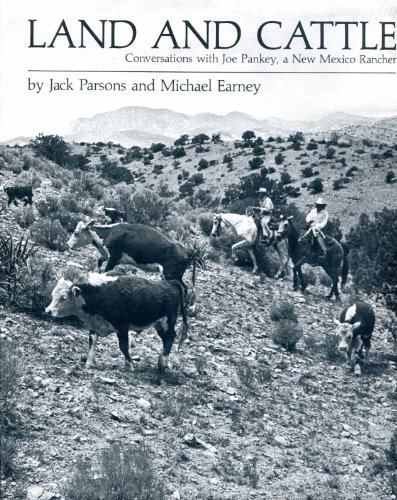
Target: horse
(245, 227)
(300, 251)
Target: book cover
(214, 170)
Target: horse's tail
(345, 263)
(182, 308)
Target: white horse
(245, 226)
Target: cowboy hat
(320, 201)
(262, 190)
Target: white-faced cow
(355, 326)
(23, 193)
(107, 304)
(149, 249)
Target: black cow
(149, 249)
(107, 304)
(24, 193)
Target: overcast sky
(294, 97)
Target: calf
(150, 250)
(24, 193)
(355, 326)
(111, 213)
(107, 304)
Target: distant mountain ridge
(131, 125)
(141, 126)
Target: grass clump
(9, 427)
(50, 234)
(283, 311)
(287, 333)
(124, 473)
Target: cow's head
(66, 300)
(216, 225)
(81, 236)
(284, 226)
(345, 333)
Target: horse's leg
(302, 280)
(334, 289)
(295, 273)
(298, 273)
(240, 244)
(283, 256)
(252, 255)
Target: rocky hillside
(238, 416)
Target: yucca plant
(13, 259)
(198, 254)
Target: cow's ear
(356, 325)
(336, 321)
(90, 223)
(76, 291)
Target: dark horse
(335, 261)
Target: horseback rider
(317, 219)
(265, 210)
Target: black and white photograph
(198, 250)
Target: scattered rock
(194, 442)
(143, 403)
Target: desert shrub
(372, 247)
(158, 169)
(133, 154)
(9, 376)
(25, 216)
(79, 162)
(338, 184)
(287, 333)
(205, 223)
(307, 172)
(186, 190)
(258, 150)
(332, 352)
(148, 208)
(390, 177)
(124, 473)
(50, 234)
(388, 153)
(285, 178)
(200, 139)
(29, 162)
(333, 228)
(182, 141)
(248, 134)
(156, 147)
(324, 279)
(255, 163)
(350, 171)
(202, 164)
(282, 311)
(316, 186)
(31, 178)
(35, 286)
(164, 191)
(115, 174)
(204, 198)
(330, 154)
(227, 159)
(312, 145)
(52, 147)
(309, 275)
(279, 159)
(178, 152)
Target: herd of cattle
(107, 303)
